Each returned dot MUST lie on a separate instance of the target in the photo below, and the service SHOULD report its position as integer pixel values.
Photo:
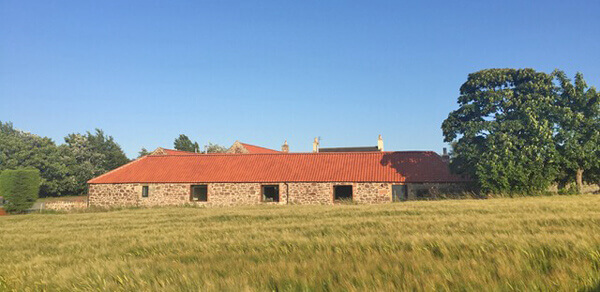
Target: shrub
(19, 188)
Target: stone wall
(65, 205)
(372, 193)
(310, 193)
(231, 194)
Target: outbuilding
(169, 177)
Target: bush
(19, 188)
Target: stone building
(251, 175)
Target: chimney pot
(285, 148)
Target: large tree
(183, 143)
(19, 149)
(66, 168)
(578, 128)
(500, 132)
(91, 155)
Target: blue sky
(264, 71)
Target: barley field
(537, 243)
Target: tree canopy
(500, 132)
(578, 128)
(518, 130)
(143, 152)
(64, 169)
(91, 155)
(183, 143)
(215, 148)
(20, 149)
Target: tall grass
(538, 243)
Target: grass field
(541, 243)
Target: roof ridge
(297, 153)
(177, 150)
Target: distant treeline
(64, 168)
(518, 131)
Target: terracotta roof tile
(412, 167)
(253, 149)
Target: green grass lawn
(541, 243)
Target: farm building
(249, 174)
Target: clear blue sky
(264, 71)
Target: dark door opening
(399, 193)
(270, 193)
(342, 193)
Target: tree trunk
(579, 180)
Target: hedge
(19, 188)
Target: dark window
(342, 193)
(270, 193)
(399, 193)
(145, 191)
(200, 193)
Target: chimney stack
(316, 145)
(380, 143)
(445, 156)
(285, 148)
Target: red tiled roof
(412, 167)
(253, 149)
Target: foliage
(19, 149)
(143, 152)
(501, 134)
(92, 155)
(593, 176)
(183, 143)
(64, 169)
(578, 128)
(522, 244)
(20, 188)
(215, 148)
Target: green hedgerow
(19, 188)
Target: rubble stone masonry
(65, 205)
(232, 194)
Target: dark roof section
(350, 149)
